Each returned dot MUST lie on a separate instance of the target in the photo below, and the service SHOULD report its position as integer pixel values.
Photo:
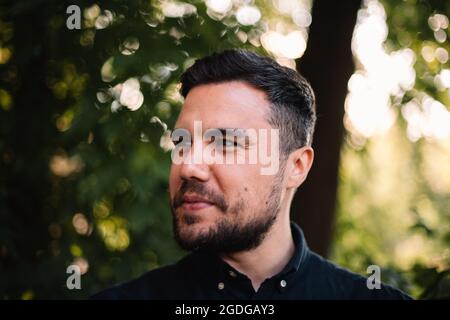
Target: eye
(181, 142)
(176, 141)
(227, 144)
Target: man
(233, 215)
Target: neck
(269, 258)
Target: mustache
(199, 188)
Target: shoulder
(156, 284)
(150, 285)
(339, 283)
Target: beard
(231, 233)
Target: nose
(191, 169)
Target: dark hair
(291, 96)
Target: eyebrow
(239, 132)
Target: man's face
(225, 207)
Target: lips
(195, 202)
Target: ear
(299, 163)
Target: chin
(195, 226)
(191, 234)
(195, 223)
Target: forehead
(233, 104)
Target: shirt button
(220, 286)
(232, 273)
(283, 283)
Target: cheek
(243, 182)
(261, 189)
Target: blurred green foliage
(394, 194)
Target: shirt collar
(301, 250)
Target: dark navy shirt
(203, 275)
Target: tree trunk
(327, 64)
